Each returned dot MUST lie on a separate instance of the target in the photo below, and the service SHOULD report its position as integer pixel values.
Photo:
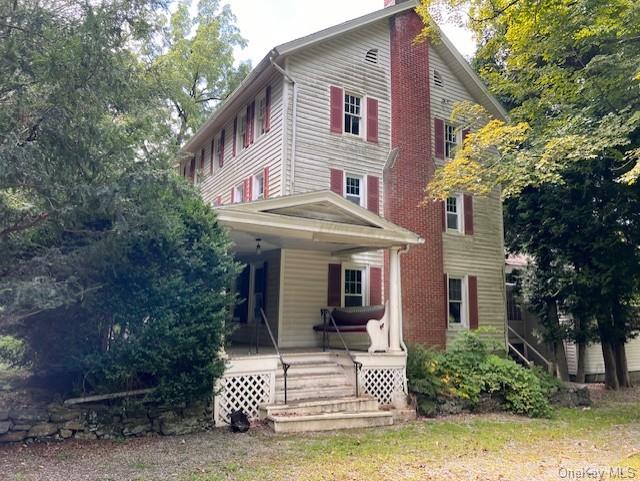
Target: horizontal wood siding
(340, 62)
(481, 255)
(265, 151)
(594, 362)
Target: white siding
(340, 62)
(594, 362)
(265, 151)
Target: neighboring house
(524, 335)
(317, 164)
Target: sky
(267, 23)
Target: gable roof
(266, 68)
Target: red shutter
(265, 182)
(446, 301)
(247, 189)
(235, 135)
(232, 192)
(202, 161)
(219, 200)
(252, 123)
(468, 214)
(337, 181)
(443, 204)
(337, 109)
(375, 286)
(267, 109)
(473, 302)
(334, 285)
(372, 120)
(221, 158)
(211, 156)
(192, 169)
(373, 194)
(439, 137)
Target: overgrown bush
(12, 352)
(474, 368)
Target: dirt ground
(602, 442)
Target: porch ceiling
(313, 221)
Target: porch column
(394, 299)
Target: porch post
(394, 299)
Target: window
(354, 287)
(457, 307)
(450, 140)
(353, 189)
(454, 213)
(262, 111)
(352, 114)
(258, 187)
(219, 146)
(238, 193)
(243, 132)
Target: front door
(251, 287)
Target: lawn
(465, 447)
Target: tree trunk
(559, 353)
(610, 371)
(580, 374)
(622, 370)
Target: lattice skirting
(382, 383)
(243, 391)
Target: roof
(265, 68)
(317, 217)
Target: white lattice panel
(243, 391)
(382, 383)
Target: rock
(136, 430)
(28, 415)
(178, 427)
(13, 437)
(73, 425)
(21, 427)
(83, 436)
(4, 415)
(451, 406)
(571, 396)
(66, 433)
(5, 426)
(489, 404)
(42, 430)
(61, 414)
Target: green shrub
(471, 368)
(12, 352)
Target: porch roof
(320, 220)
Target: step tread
(329, 416)
(313, 402)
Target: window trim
(363, 193)
(243, 124)
(464, 307)
(365, 281)
(362, 122)
(459, 212)
(238, 188)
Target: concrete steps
(320, 406)
(329, 421)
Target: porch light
(258, 248)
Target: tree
(111, 267)
(193, 62)
(568, 73)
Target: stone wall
(100, 421)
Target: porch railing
(527, 348)
(285, 365)
(326, 314)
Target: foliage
(12, 352)
(193, 64)
(472, 368)
(112, 269)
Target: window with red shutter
(373, 194)
(372, 120)
(337, 109)
(252, 122)
(438, 133)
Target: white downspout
(401, 251)
(294, 85)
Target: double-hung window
(352, 114)
(242, 132)
(354, 188)
(262, 111)
(450, 140)
(454, 207)
(258, 187)
(238, 193)
(456, 302)
(354, 286)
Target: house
(317, 164)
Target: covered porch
(305, 254)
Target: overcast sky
(267, 23)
